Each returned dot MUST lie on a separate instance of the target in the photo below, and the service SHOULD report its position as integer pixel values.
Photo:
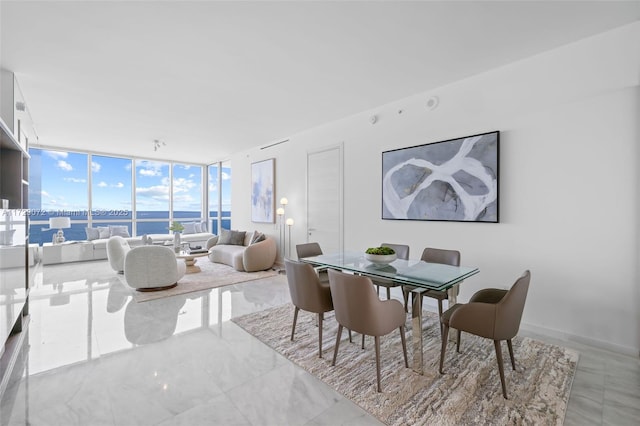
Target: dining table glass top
(433, 276)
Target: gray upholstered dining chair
(312, 249)
(402, 252)
(358, 308)
(308, 250)
(307, 293)
(434, 255)
(491, 313)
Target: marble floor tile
(96, 357)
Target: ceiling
(212, 78)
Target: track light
(157, 144)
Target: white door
(324, 199)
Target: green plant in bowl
(383, 251)
(380, 255)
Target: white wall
(568, 183)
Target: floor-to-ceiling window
(111, 185)
(187, 192)
(58, 188)
(153, 185)
(220, 196)
(143, 195)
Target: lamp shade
(280, 211)
(284, 201)
(289, 222)
(59, 222)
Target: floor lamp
(289, 223)
(281, 213)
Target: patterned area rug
(468, 393)
(212, 275)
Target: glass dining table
(418, 274)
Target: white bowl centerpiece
(380, 255)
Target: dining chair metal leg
(363, 341)
(513, 360)
(377, 339)
(350, 340)
(458, 340)
(335, 351)
(295, 319)
(388, 293)
(440, 315)
(404, 346)
(320, 319)
(496, 343)
(445, 336)
(405, 295)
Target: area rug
(212, 275)
(468, 393)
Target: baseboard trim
(595, 343)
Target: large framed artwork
(452, 180)
(262, 196)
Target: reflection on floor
(95, 356)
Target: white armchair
(150, 268)
(117, 249)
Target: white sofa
(247, 257)
(76, 251)
(199, 239)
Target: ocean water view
(147, 222)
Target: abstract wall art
(262, 196)
(452, 180)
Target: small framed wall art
(263, 204)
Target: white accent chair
(150, 268)
(117, 249)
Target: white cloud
(158, 192)
(61, 164)
(102, 184)
(119, 185)
(226, 176)
(183, 185)
(57, 154)
(45, 194)
(74, 180)
(95, 166)
(150, 172)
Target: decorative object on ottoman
(176, 228)
(149, 268)
(117, 249)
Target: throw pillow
(203, 227)
(92, 233)
(103, 231)
(224, 238)
(189, 228)
(257, 237)
(198, 227)
(237, 238)
(120, 231)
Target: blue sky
(64, 183)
